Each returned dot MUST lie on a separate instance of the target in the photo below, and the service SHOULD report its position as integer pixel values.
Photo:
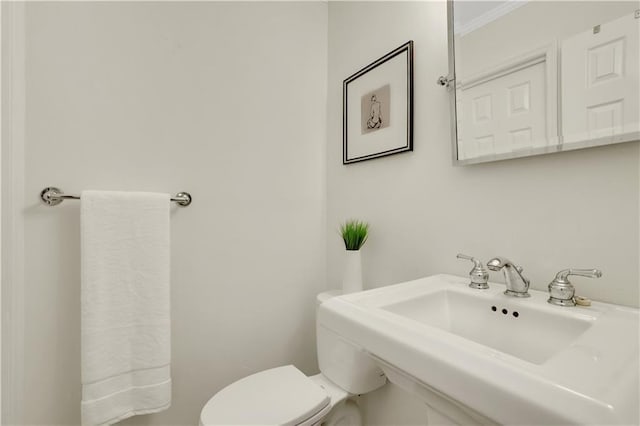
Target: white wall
(224, 100)
(546, 213)
(1, 130)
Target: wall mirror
(534, 77)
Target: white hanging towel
(126, 345)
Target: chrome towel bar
(52, 196)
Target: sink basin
(522, 331)
(511, 360)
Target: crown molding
(487, 17)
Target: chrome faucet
(517, 284)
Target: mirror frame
(450, 84)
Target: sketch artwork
(375, 111)
(375, 123)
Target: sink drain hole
(504, 311)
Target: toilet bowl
(286, 396)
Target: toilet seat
(279, 396)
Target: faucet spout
(517, 284)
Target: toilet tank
(345, 364)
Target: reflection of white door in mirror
(603, 102)
(580, 89)
(509, 107)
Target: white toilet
(285, 396)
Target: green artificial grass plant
(354, 233)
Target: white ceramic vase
(352, 278)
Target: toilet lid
(279, 396)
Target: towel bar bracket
(52, 196)
(182, 199)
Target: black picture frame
(366, 132)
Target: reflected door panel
(503, 111)
(603, 100)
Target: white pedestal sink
(513, 361)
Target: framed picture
(378, 108)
